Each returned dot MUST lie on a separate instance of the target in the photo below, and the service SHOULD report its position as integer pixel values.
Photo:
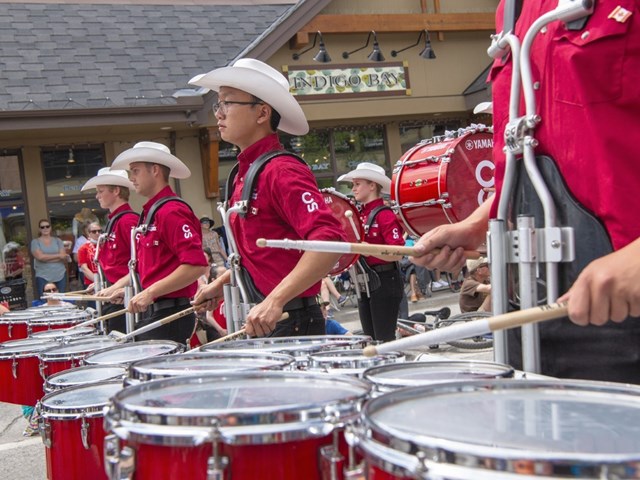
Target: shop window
(413, 133)
(356, 146)
(66, 170)
(14, 262)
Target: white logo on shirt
(307, 199)
(187, 231)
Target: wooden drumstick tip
(370, 351)
(261, 242)
(348, 214)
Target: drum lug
(84, 433)
(9, 330)
(45, 429)
(14, 366)
(118, 464)
(29, 330)
(216, 464)
(332, 463)
(41, 369)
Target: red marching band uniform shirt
(86, 254)
(172, 239)
(115, 252)
(287, 204)
(385, 229)
(588, 96)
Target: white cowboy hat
(371, 172)
(107, 176)
(152, 152)
(484, 107)
(473, 265)
(262, 81)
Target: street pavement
(23, 458)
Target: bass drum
(443, 179)
(344, 209)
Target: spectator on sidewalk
(475, 294)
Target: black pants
(304, 321)
(118, 323)
(379, 312)
(179, 330)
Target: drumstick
(226, 338)
(66, 296)
(98, 319)
(242, 331)
(86, 290)
(472, 329)
(345, 247)
(156, 324)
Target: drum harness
(527, 246)
(241, 294)
(141, 229)
(100, 281)
(363, 276)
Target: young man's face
(141, 175)
(106, 196)
(238, 122)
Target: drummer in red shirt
(113, 188)
(169, 254)
(587, 92)
(379, 309)
(253, 102)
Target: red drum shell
(13, 329)
(67, 457)
(454, 171)
(340, 205)
(25, 388)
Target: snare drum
(443, 180)
(299, 347)
(503, 429)
(71, 354)
(245, 426)
(82, 376)
(132, 352)
(58, 320)
(20, 382)
(71, 426)
(206, 362)
(63, 334)
(350, 362)
(387, 378)
(340, 205)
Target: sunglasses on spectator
(95, 231)
(50, 290)
(45, 226)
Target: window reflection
(356, 146)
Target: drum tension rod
(216, 464)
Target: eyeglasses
(42, 227)
(50, 290)
(95, 231)
(223, 107)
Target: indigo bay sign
(311, 82)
